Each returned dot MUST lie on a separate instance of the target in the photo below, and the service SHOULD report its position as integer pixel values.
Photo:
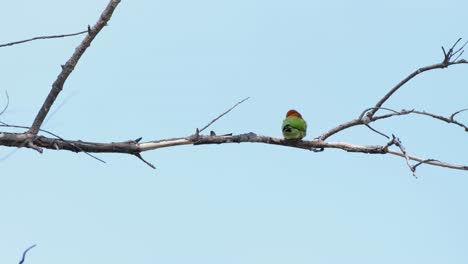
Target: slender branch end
(24, 254)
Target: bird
(294, 127)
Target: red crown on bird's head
(293, 112)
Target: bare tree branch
(133, 147)
(364, 119)
(3, 124)
(430, 161)
(43, 37)
(70, 66)
(24, 254)
(32, 140)
(449, 120)
(29, 143)
(447, 61)
(331, 132)
(398, 113)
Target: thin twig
(443, 118)
(448, 55)
(7, 103)
(461, 48)
(367, 120)
(374, 108)
(24, 254)
(451, 52)
(456, 113)
(434, 162)
(43, 37)
(376, 131)
(402, 112)
(459, 55)
(70, 66)
(221, 115)
(422, 162)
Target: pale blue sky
(163, 68)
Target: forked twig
(447, 61)
(449, 55)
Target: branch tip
(24, 254)
(42, 37)
(452, 116)
(445, 53)
(7, 103)
(221, 115)
(138, 155)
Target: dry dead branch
(30, 137)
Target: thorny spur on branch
(31, 138)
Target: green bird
(294, 127)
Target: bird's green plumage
(294, 127)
